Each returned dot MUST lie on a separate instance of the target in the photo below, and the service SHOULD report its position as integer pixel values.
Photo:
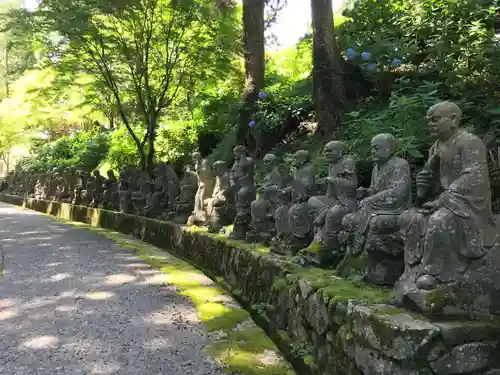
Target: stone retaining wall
(327, 324)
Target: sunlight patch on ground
(99, 296)
(119, 279)
(41, 342)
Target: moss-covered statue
(294, 226)
(328, 210)
(241, 179)
(221, 208)
(451, 266)
(372, 241)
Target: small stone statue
(262, 211)
(272, 174)
(158, 202)
(87, 193)
(97, 190)
(221, 208)
(281, 219)
(205, 189)
(371, 233)
(184, 203)
(124, 193)
(449, 269)
(241, 179)
(329, 210)
(140, 197)
(303, 186)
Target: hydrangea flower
(396, 62)
(251, 124)
(351, 54)
(262, 95)
(371, 66)
(365, 56)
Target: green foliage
(404, 117)
(83, 150)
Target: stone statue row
(446, 243)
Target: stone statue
(449, 269)
(303, 186)
(328, 210)
(124, 192)
(283, 200)
(204, 191)
(97, 189)
(241, 180)
(372, 233)
(140, 197)
(87, 193)
(158, 203)
(272, 174)
(221, 208)
(262, 210)
(184, 203)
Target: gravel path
(73, 302)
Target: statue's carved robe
(390, 195)
(463, 225)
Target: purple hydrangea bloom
(251, 124)
(365, 56)
(351, 54)
(371, 66)
(262, 95)
(396, 62)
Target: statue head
(444, 119)
(239, 151)
(300, 158)
(196, 157)
(383, 147)
(270, 161)
(219, 167)
(334, 151)
(110, 174)
(97, 173)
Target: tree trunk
(329, 91)
(253, 44)
(151, 146)
(6, 69)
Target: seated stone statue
(371, 233)
(97, 189)
(140, 198)
(241, 180)
(328, 210)
(221, 208)
(86, 194)
(294, 225)
(184, 203)
(449, 269)
(124, 193)
(262, 211)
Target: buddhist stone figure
(221, 208)
(124, 193)
(262, 211)
(372, 233)
(329, 209)
(98, 189)
(241, 180)
(205, 189)
(272, 175)
(449, 267)
(184, 203)
(297, 221)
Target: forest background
(93, 84)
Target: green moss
(389, 310)
(437, 298)
(280, 284)
(251, 352)
(314, 247)
(340, 290)
(352, 265)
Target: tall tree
(254, 54)
(329, 90)
(141, 51)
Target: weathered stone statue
(124, 192)
(205, 189)
(303, 186)
(184, 203)
(272, 174)
(450, 268)
(371, 237)
(221, 208)
(110, 198)
(87, 193)
(157, 203)
(262, 210)
(241, 179)
(328, 210)
(98, 189)
(140, 197)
